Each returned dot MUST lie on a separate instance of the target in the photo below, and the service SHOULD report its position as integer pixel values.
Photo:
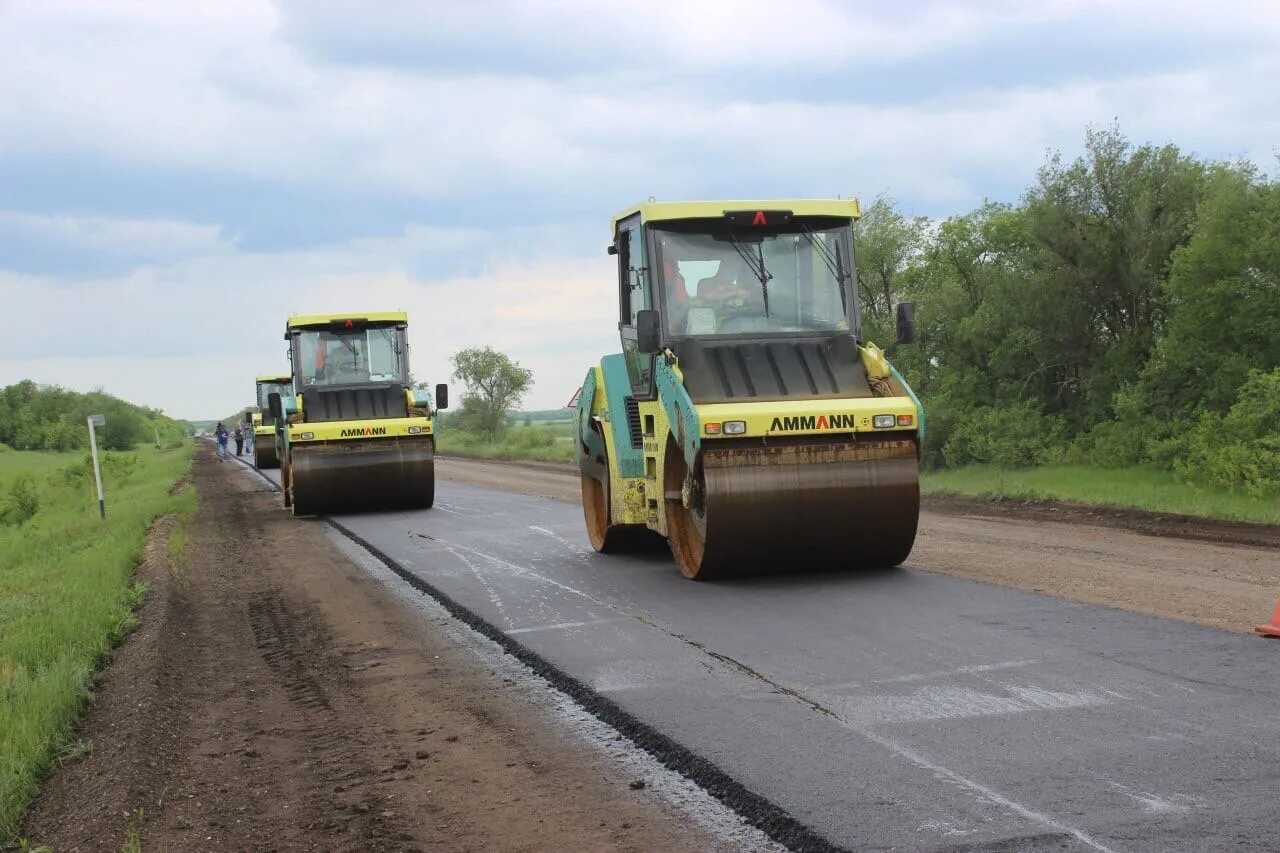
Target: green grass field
(67, 594)
(539, 442)
(1138, 488)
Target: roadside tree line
(47, 417)
(1125, 311)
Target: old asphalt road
(902, 710)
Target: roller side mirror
(442, 397)
(647, 338)
(906, 323)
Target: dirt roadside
(276, 697)
(1219, 574)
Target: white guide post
(97, 421)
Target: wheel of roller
(605, 537)
(264, 454)
(429, 492)
(686, 527)
(286, 481)
(779, 509)
(302, 497)
(595, 512)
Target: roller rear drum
(793, 505)
(264, 454)
(354, 476)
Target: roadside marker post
(97, 421)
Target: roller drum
(264, 453)
(797, 506)
(355, 476)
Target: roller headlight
(735, 427)
(884, 421)
(306, 436)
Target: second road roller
(355, 435)
(264, 431)
(747, 418)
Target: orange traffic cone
(1273, 628)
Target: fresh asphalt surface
(900, 710)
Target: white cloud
(189, 337)
(157, 240)
(172, 384)
(221, 91)
(582, 107)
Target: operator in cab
(338, 360)
(731, 292)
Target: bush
(1240, 451)
(74, 473)
(65, 434)
(1121, 443)
(116, 466)
(116, 469)
(940, 424)
(530, 439)
(1110, 444)
(1016, 436)
(22, 503)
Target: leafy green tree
(1046, 312)
(977, 347)
(1224, 289)
(123, 429)
(46, 417)
(1109, 223)
(65, 434)
(495, 385)
(886, 242)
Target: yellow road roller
(747, 419)
(354, 435)
(264, 431)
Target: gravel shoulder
(275, 696)
(1221, 574)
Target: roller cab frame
(746, 419)
(264, 426)
(354, 435)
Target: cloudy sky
(178, 177)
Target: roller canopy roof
(657, 211)
(298, 321)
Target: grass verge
(1133, 488)
(547, 442)
(67, 594)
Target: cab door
(635, 295)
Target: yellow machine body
(771, 479)
(355, 436)
(264, 429)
